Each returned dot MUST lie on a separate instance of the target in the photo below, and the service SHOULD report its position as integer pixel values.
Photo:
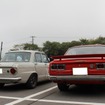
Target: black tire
(63, 86)
(32, 81)
(2, 85)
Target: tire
(63, 86)
(2, 85)
(32, 81)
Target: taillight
(100, 65)
(61, 66)
(12, 71)
(58, 67)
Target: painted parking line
(70, 102)
(30, 98)
(6, 97)
(52, 101)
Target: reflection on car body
(83, 64)
(24, 66)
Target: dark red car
(80, 65)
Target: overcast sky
(53, 20)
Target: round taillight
(13, 71)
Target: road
(47, 93)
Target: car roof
(32, 51)
(91, 45)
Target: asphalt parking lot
(47, 93)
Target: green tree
(84, 41)
(27, 46)
(51, 48)
(56, 48)
(99, 40)
(75, 43)
(64, 47)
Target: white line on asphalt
(70, 102)
(6, 97)
(55, 101)
(30, 96)
(51, 101)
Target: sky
(50, 20)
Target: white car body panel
(23, 69)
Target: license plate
(1, 71)
(80, 71)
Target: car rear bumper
(78, 78)
(9, 80)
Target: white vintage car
(24, 66)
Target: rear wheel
(63, 86)
(32, 81)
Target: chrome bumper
(9, 80)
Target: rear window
(86, 50)
(16, 57)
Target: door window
(38, 57)
(44, 58)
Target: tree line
(57, 48)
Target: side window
(44, 58)
(38, 57)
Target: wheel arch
(32, 81)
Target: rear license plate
(1, 71)
(80, 71)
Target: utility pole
(32, 39)
(1, 50)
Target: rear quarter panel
(25, 70)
